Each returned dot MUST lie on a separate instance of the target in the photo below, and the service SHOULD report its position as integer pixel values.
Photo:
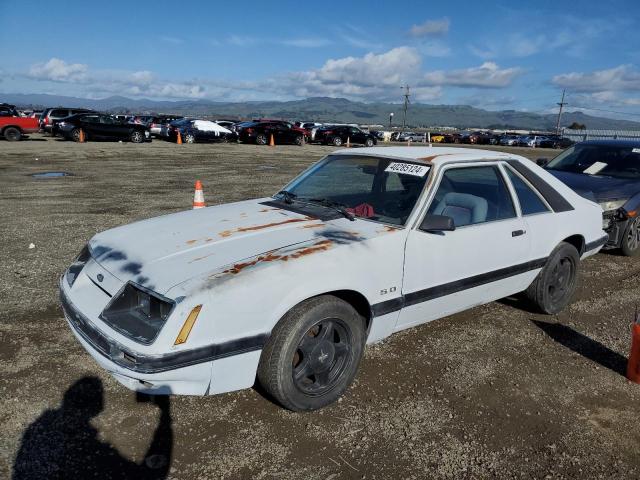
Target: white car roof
(430, 155)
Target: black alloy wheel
(313, 353)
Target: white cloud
(431, 28)
(621, 78)
(172, 40)
(487, 75)
(59, 71)
(310, 42)
(242, 40)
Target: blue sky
(496, 55)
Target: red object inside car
(363, 210)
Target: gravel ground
(496, 391)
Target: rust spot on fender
(191, 242)
(313, 225)
(228, 233)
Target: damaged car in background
(607, 172)
(289, 289)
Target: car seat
(464, 208)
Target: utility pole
(406, 105)
(561, 104)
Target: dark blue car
(607, 172)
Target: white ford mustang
(290, 288)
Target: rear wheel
(137, 136)
(631, 238)
(299, 140)
(189, 138)
(261, 139)
(369, 142)
(12, 134)
(554, 286)
(75, 135)
(313, 354)
(337, 141)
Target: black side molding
(557, 202)
(596, 243)
(438, 291)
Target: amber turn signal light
(188, 325)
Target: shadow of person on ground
(62, 443)
(588, 348)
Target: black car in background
(607, 172)
(260, 132)
(339, 134)
(49, 117)
(199, 131)
(100, 126)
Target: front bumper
(187, 372)
(615, 226)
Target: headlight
(61, 124)
(138, 313)
(612, 205)
(76, 267)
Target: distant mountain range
(325, 109)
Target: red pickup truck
(13, 126)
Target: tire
(137, 136)
(75, 135)
(261, 139)
(631, 238)
(554, 286)
(12, 134)
(368, 142)
(189, 138)
(299, 140)
(336, 141)
(297, 346)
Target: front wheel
(554, 286)
(12, 134)
(137, 136)
(313, 354)
(631, 238)
(261, 139)
(369, 142)
(337, 141)
(299, 140)
(189, 138)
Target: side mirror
(542, 161)
(437, 223)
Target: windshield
(608, 160)
(368, 187)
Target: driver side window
(473, 195)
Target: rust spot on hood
(271, 257)
(191, 242)
(228, 233)
(313, 225)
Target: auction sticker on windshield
(408, 169)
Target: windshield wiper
(287, 196)
(338, 207)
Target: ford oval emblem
(100, 277)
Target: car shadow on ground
(583, 345)
(62, 444)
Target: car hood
(600, 187)
(164, 251)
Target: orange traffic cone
(198, 196)
(348, 142)
(81, 138)
(272, 143)
(633, 366)
(179, 139)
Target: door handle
(517, 233)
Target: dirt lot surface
(496, 391)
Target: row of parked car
(480, 138)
